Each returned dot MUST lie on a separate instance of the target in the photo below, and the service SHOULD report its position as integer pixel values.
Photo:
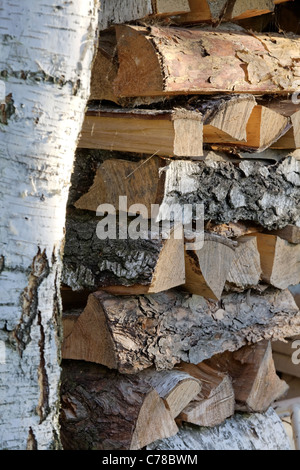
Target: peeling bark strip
(39, 271)
(159, 61)
(134, 332)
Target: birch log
(131, 333)
(45, 60)
(257, 431)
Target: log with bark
(181, 11)
(131, 333)
(255, 382)
(152, 263)
(246, 190)
(105, 410)
(159, 61)
(255, 431)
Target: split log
(207, 269)
(104, 410)
(123, 11)
(154, 62)
(172, 132)
(216, 400)
(181, 11)
(248, 190)
(255, 382)
(221, 10)
(176, 387)
(131, 333)
(245, 270)
(290, 110)
(279, 260)
(239, 10)
(120, 263)
(290, 233)
(176, 132)
(256, 431)
(265, 127)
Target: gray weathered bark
(241, 432)
(166, 328)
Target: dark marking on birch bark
(31, 441)
(29, 300)
(43, 408)
(7, 109)
(2, 261)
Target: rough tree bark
(45, 61)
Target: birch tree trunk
(46, 52)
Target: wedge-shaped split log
(161, 61)
(131, 333)
(207, 269)
(121, 264)
(291, 110)
(104, 410)
(265, 127)
(176, 387)
(216, 400)
(279, 260)
(245, 270)
(172, 133)
(255, 382)
(290, 233)
(175, 132)
(221, 10)
(248, 190)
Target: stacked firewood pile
(165, 339)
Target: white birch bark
(46, 51)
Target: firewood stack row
(189, 108)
